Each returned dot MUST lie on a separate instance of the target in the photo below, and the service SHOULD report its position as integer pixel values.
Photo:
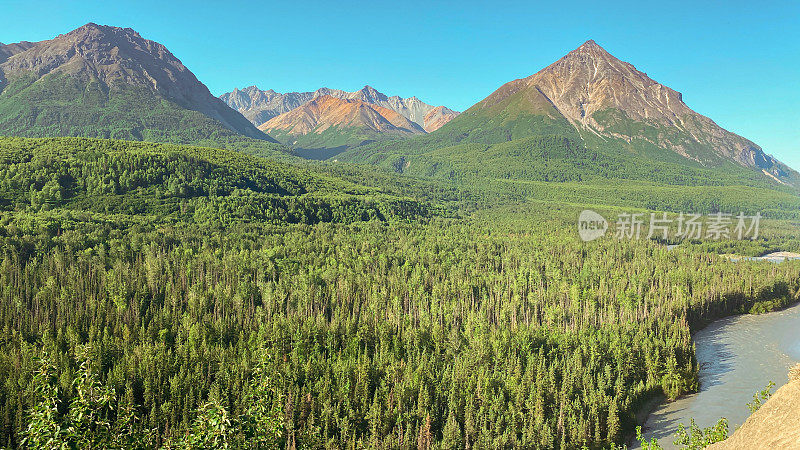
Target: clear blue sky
(737, 62)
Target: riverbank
(780, 297)
(774, 425)
(775, 257)
(641, 414)
(701, 322)
(738, 355)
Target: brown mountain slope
(9, 50)
(605, 99)
(99, 62)
(437, 117)
(775, 425)
(326, 111)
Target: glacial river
(738, 356)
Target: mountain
(9, 50)
(437, 117)
(588, 109)
(411, 108)
(328, 122)
(260, 106)
(102, 81)
(599, 94)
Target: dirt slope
(776, 425)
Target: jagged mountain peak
(589, 79)
(369, 89)
(261, 106)
(92, 29)
(326, 111)
(252, 88)
(370, 95)
(604, 97)
(590, 47)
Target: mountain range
(587, 115)
(328, 122)
(102, 81)
(195, 296)
(579, 117)
(260, 106)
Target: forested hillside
(448, 154)
(195, 297)
(163, 182)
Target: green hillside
(538, 147)
(328, 143)
(179, 183)
(63, 105)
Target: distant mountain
(9, 50)
(260, 106)
(437, 117)
(330, 122)
(411, 108)
(102, 81)
(590, 111)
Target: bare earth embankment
(774, 425)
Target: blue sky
(737, 62)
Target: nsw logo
(591, 225)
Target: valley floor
(235, 299)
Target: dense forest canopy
(191, 297)
(180, 183)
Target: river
(738, 356)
